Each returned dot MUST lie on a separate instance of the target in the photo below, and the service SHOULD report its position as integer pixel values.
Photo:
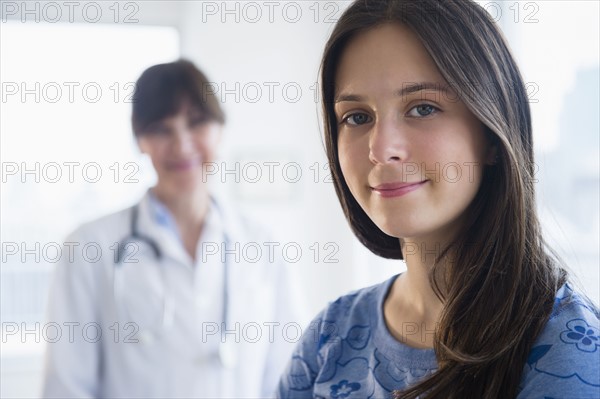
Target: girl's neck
(412, 310)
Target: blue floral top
(348, 352)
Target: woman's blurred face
(180, 147)
(411, 153)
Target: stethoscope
(227, 354)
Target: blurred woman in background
(173, 310)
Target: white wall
(557, 46)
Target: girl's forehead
(387, 57)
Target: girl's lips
(389, 190)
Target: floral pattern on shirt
(585, 337)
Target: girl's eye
(422, 110)
(357, 119)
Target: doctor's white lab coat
(152, 329)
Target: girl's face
(411, 153)
(180, 147)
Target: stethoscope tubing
(136, 236)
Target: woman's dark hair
(502, 278)
(162, 90)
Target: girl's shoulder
(570, 302)
(566, 355)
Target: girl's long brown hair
(503, 277)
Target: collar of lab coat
(156, 222)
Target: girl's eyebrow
(407, 88)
